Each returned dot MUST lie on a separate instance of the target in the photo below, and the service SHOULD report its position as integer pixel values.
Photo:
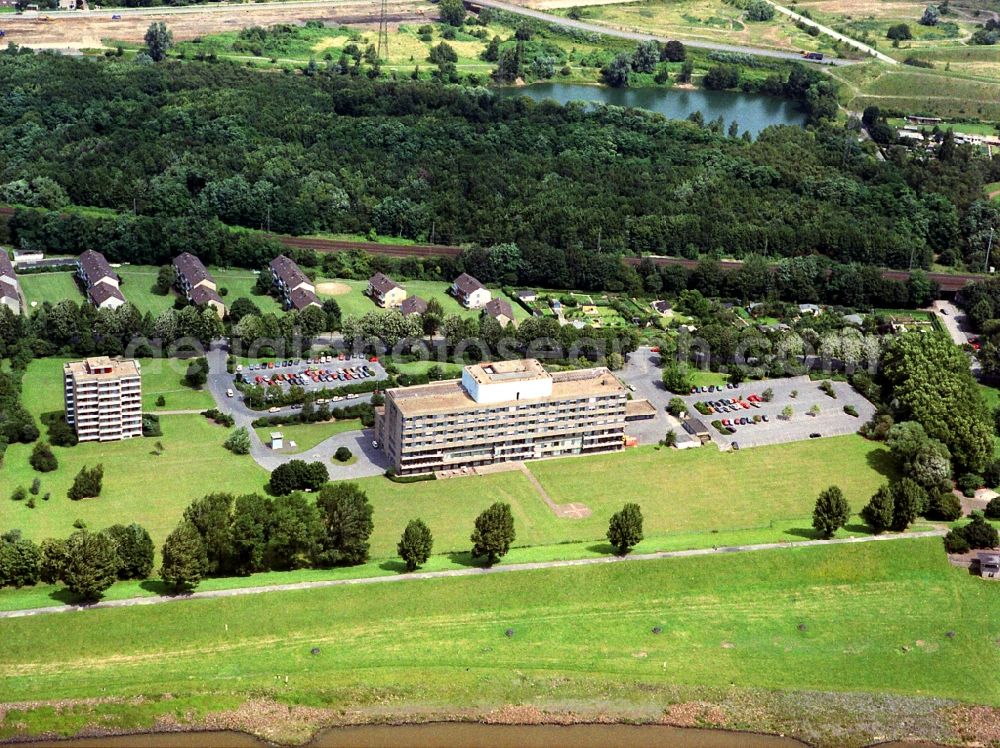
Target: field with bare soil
(87, 31)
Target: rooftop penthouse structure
(499, 412)
(103, 398)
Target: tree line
(397, 158)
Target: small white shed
(277, 440)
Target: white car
(229, 393)
(273, 409)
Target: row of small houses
(471, 294)
(103, 284)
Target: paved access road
(370, 461)
(641, 37)
(468, 572)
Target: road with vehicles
(640, 36)
(370, 460)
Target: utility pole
(383, 32)
(989, 246)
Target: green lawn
(43, 386)
(704, 378)
(356, 303)
(307, 435)
(136, 287)
(703, 489)
(451, 371)
(138, 485)
(866, 618)
(52, 287)
(137, 282)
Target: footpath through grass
(866, 618)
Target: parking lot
(642, 373)
(772, 427)
(322, 372)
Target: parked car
(273, 409)
(229, 393)
(814, 435)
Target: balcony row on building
(10, 286)
(103, 398)
(499, 412)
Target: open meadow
(307, 435)
(142, 483)
(853, 619)
(703, 20)
(51, 287)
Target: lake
(753, 112)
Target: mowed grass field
(356, 303)
(864, 618)
(42, 387)
(307, 435)
(52, 287)
(139, 486)
(704, 489)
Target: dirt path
(566, 511)
(470, 572)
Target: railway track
(948, 282)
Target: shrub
(36, 486)
(759, 10)
(87, 483)
(19, 494)
(945, 506)
(767, 395)
(979, 533)
(161, 401)
(725, 430)
(703, 408)
(676, 406)
(827, 386)
(343, 454)
(993, 508)
(151, 425)
(238, 441)
(969, 483)
(851, 410)
(42, 459)
(955, 542)
(878, 513)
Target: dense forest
(187, 144)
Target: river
(753, 112)
(466, 735)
